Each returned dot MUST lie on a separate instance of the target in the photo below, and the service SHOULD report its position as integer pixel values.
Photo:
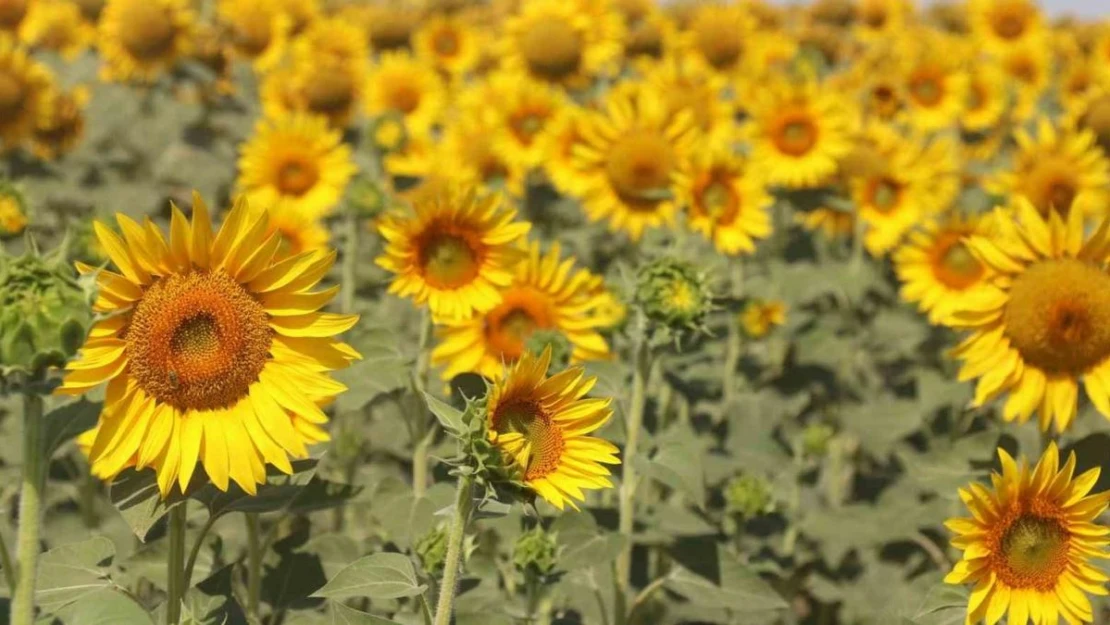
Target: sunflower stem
(452, 564)
(350, 260)
(640, 372)
(175, 563)
(254, 566)
(734, 345)
(30, 510)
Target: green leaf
(944, 605)
(739, 589)
(343, 615)
(73, 572)
(379, 576)
(135, 494)
(380, 371)
(67, 421)
(449, 417)
(106, 606)
(583, 543)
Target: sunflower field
(553, 312)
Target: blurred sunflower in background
(450, 44)
(140, 40)
(1000, 25)
(564, 42)
(325, 87)
(547, 292)
(258, 31)
(57, 25)
(299, 231)
(759, 317)
(61, 124)
(725, 202)
(213, 353)
(401, 84)
(25, 85)
(520, 109)
(13, 211)
(717, 36)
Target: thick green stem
(452, 565)
(641, 370)
(254, 567)
(30, 511)
(175, 564)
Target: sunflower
(799, 131)
(389, 25)
(687, 86)
(59, 26)
(140, 40)
(1029, 541)
(1029, 69)
(259, 31)
(453, 252)
(936, 85)
(521, 109)
(12, 13)
(401, 84)
(298, 231)
(296, 159)
(212, 352)
(449, 44)
(724, 202)
(937, 269)
(465, 156)
(718, 35)
(1039, 329)
(546, 293)
(62, 123)
(759, 317)
(998, 25)
(541, 424)
(988, 98)
(558, 144)
(326, 87)
(13, 212)
(302, 14)
(24, 87)
(1092, 112)
(632, 153)
(649, 37)
(881, 20)
(568, 42)
(1057, 169)
(333, 40)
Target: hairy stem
(452, 564)
(30, 510)
(175, 564)
(641, 369)
(254, 566)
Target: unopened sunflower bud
(816, 437)
(748, 496)
(13, 211)
(365, 197)
(44, 313)
(432, 550)
(557, 341)
(536, 550)
(388, 134)
(674, 294)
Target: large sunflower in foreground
(724, 202)
(546, 293)
(568, 42)
(936, 268)
(295, 159)
(799, 132)
(25, 86)
(453, 253)
(1028, 544)
(541, 423)
(142, 39)
(212, 352)
(1043, 325)
(1057, 169)
(632, 152)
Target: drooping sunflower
(1057, 169)
(542, 425)
(59, 26)
(547, 293)
(1038, 331)
(633, 151)
(323, 86)
(403, 85)
(1028, 544)
(565, 42)
(295, 159)
(449, 44)
(213, 353)
(454, 252)
(259, 31)
(140, 40)
(725, 202)
(799, 131)
(937, 269)
(25, 85)
(61, 124)
(998, 25)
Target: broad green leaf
(73, 572)
(739, 589)
(135, 494)
(379, 576)
(343, 615)
(449, 417)
(105, 606)
(67, 421)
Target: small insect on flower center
(719, 41)
(795, 134)
(449, 260)
(1033, 552)
(639, 169)
(885, 194)
(955, 266)
(296, 177)
(12, 95)
(197, 341)
(1058, 316)
(552, 48)
(544, 439)
(147, 30)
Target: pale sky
(1083, 8)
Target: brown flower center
(522, 311)
(794, 133)
(552, 48)
(719, 41)
(446, 42)
(1032, 551)
(12, 13)
(297, 177)
(927, 87)
(953, 263)
(543, 438)
(449, 260)
(885, 194)
(330, 91)
(639, 169)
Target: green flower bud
(674, 294)
(816, 437)
(13, 211)
(537, 551)
(748, 496)
(388, 133)
(366, 198)
(432, 549)
(45, 312)
(557, 341)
